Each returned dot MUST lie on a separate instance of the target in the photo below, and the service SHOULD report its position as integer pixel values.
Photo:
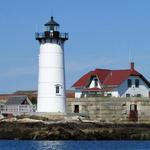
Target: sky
(102, 34)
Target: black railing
(64, 35)
(47, 34)
(39, 35)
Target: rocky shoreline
(75, 130)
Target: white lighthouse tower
(51, 83)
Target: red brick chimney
(132, 66)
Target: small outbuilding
(18, 104)
(18, 100)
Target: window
(76, 108)
(58, 90)
(129, 83)
(139, 95)
(137, 82)
(95, 83)
(109, 94)
(133, 107)
(127, 95)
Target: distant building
(70, 93)
(114, 83)
(31, 94)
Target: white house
(115, 83)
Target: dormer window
(95, 82)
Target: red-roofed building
(115, 83)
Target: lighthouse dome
(52, 22)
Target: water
(74, 145)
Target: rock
(1, 117)
(28, 120)
(75, 118)
(36, 129)
(13, 119)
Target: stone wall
(116, 110)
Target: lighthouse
(51, 80)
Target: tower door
(133, 114)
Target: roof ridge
(121, 70)
(102, 69)
(18, 96)
(113, 69)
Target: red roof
(116, 77)
(108, 77)
(83, 80)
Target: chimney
(132, 65)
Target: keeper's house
(114, 83)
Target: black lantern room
(51, 32)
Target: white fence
(17, 108)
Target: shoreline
(76, 130)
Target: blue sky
(101, 32)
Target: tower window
(137, 83)
(58, 90)
(129, 83)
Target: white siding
(78, 93)
(113, 93)
(143, 89)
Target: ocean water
(74, 145)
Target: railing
(43, 35)
(39, 35)
(64, 35)
(17, 108)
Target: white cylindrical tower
(51, 83)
